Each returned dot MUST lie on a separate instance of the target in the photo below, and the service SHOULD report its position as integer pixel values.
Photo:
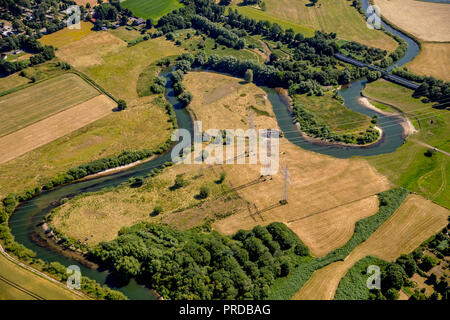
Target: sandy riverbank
(408, 127)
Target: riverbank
(287, 100)
(408, 127)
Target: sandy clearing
(332, 229)
(408, 127)
(47, 130)
(426, 20)
(415, 221)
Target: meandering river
(25, 221)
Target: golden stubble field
(414, 221)
(427, 21)
(54, 127)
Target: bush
(204, 192)
(157, 210)
(427, 263)
(179, 182)
(121, 105)
(223, 176)
(301, 249)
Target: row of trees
(199, 264)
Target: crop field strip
(25, 107)
(53, 127)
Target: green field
(408, 166)
(154, 9)
(340, 118)
(329, 15)
(24, 107)
(286, 24)
(120, 71)
(16, 283)
(192, 45)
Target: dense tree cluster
(216, 31)
(200, 264)
(28, 44)
(362, 52)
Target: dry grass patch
(104, 214)
(331, 229)
(67, 36)
(54, 127)
(433, 60)
(426, 20)
(415, 221)
(319, 183)
(90, 50)
(35, 103)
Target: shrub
(121, 105)
(427, 263)
(157, 210)
(204, 192)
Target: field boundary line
(322, 211)
(93, 84)
(39, 273)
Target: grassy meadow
(117, 68)
(328, 15)
(192, 44)
(103, 214)
(408, 166)
(340, 118)
(154, 9)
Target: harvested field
(327, 15)
(54, 127)
(319, 183)
(433, 60)
(427, 21)
(25, 107)
(142, 127)
(415, 221)
(329, 230)
(67, 36)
